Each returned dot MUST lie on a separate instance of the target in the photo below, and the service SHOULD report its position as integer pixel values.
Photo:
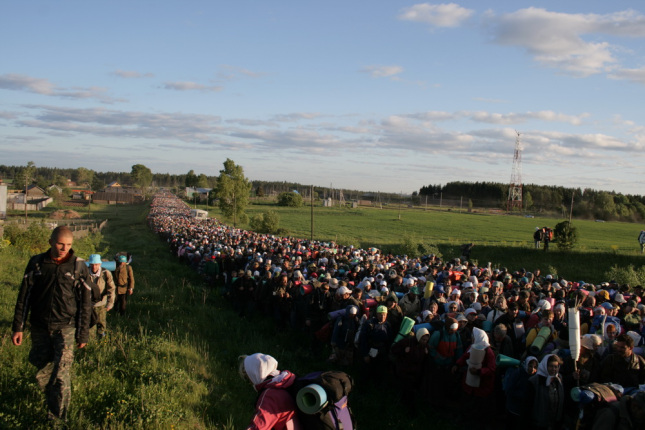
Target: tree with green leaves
(25, 176)
(202, 181)
(191, 179)
(565, 235)
(233, 190)
(265, 222)
(291, 199)
(84, 176)
(141, 177)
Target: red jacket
(487, 376)
(275, 408)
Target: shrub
(290, 199)
(626, 275)
(565, 235)
(415, 247)
(265, 222)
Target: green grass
(173, 362)
(504, 240)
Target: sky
(375, 95)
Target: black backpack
(335, 414)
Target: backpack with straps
(95, 290)
(322, 400)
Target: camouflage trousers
(101, 320)
(52, 352)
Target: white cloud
(438, 15)
(16, 82)
(190, 86)
(556, 39)
(383, 71)
(229, 73)
(633, 75)
(129, 74)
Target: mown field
(504, 240)
(172, 362)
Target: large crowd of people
(518, 347)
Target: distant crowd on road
(514, 348)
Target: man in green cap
(375, 340)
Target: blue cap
(95, 259)
(123, 259)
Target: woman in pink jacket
(275, 407)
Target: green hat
(381, 310)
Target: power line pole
(515, 187)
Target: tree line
(587, 203)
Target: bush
(265, 222)
(415, 247)
(565, 235)
(290, 199)
(32, 240)
(626, 275)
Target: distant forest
(539, 199)
(587, 203)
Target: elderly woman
(545, 396)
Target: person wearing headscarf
(479, 361)
(515, 385)
(544, 402)
(275, 408)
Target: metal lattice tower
(515, 187)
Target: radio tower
(515, 188)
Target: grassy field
(172, 362)
(501, 239)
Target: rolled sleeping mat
(426, 326)
(540, 341)
(551, 301)
(574, 333)
(306, 289)
(107, 265)
(370, 303)
(311, 399)
(427, 291)
(522, 314)
(506, 361)
(582, 396)
(487, 326)
(406, 328)
(399, 295)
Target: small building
(199, 213)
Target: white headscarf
(527, 361)
(260, 366)
(480, 339)
(543, 370)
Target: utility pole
(312, 212)
(234, 211)
(26, 199)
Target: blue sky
(374, 95)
